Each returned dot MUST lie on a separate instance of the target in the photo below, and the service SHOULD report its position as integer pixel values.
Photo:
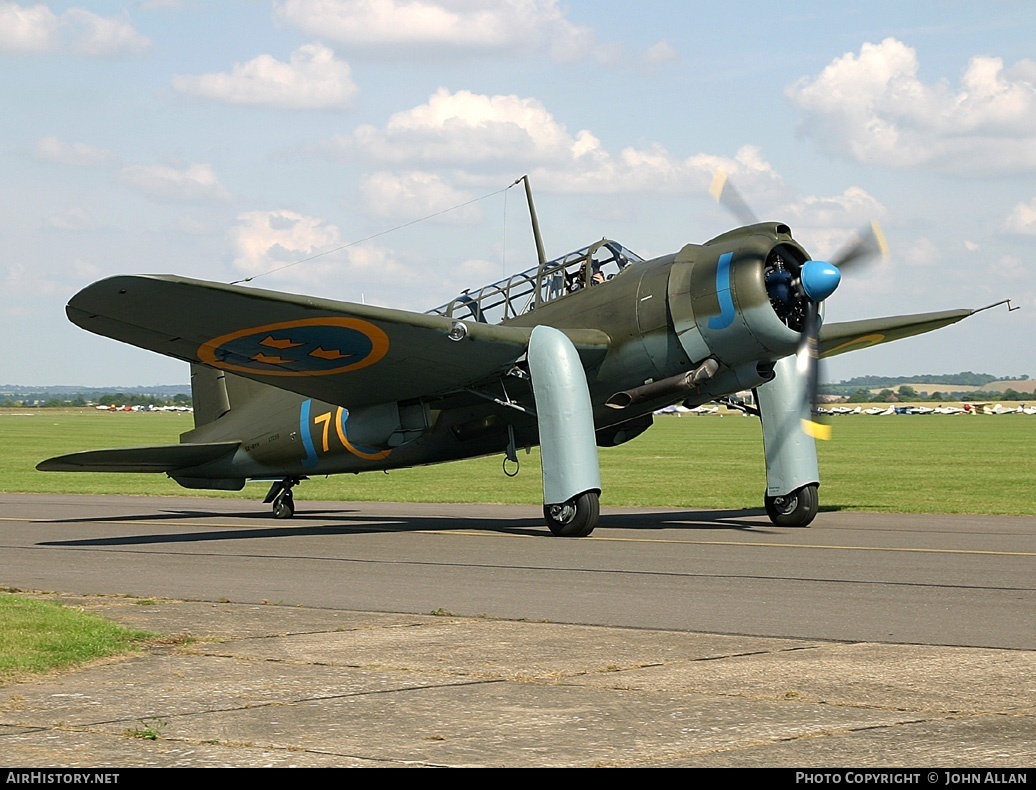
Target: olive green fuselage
(662, 318)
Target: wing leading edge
(338, 352)
(838, 338)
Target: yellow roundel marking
(370, 455)
(306, 347)
(865, 341)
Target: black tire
(575, 518)
(797, 509)
(284, 505)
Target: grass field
(909, 464)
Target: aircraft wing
(337, 352)
(840, 337)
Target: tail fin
(208, 394)
(215, 392)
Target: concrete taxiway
(302, 680)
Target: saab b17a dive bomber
(574, 354)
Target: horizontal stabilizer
(159, 458)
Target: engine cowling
(738, 299)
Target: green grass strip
(39, 636)
(980, 464)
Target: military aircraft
(574, 354)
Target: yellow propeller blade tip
(816, 429)
(719, 180)
(879, 236)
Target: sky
(362, 150)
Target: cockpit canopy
(520, 293)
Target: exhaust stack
(681, 382)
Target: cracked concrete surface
(266, 685)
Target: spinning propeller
(815, 282)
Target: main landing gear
(575, 518)
(796, 509)
(568, 445)
(281, 498)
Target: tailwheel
(284, 505)
(575, 518)
(796, 509)
(281, 498)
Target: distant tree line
(965, 379)
(907, 394)
(861, 389)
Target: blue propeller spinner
(819, 279)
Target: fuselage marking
(726, 302)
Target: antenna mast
(540, 254)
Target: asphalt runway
(388, 635)
(911, 579)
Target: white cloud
(74, 219)
(196, 182)
(486, 140)
(415, 194)
(85, 271)
(1011, 267)
(451, 26)
(470, 128)
(313, 79)
(27, 29)
(91, 35)
(80, 154)
(265, 240)
(854, 207)
(873, 108)
(829, 225)
(1022, 219)
(920, 251)
(35, 28)
(308, 252)
(190, 225)
(476, 271)
(660, 52)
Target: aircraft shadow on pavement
(353, 522)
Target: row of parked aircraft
(967, 408)
(681, 410)
(113, 407)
